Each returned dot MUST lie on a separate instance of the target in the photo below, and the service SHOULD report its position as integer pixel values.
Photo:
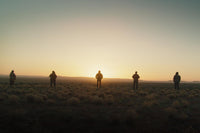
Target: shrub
(82, 96)
(171, 110)
(149, 103)
(101, 95)
(30, 90)
(73, 101)
(183, 93)
(142, 93)
(50, 101)
(182, 116)
(151, 96)
(185, 103)
(60, 96)
(175, 114)
(45, 97)
(176, 104)
(131, 115)
(13, 99)
(191, 96)
(96, 100)
(132, 94)
(172, 96)
(17, 91)
(3, 96)
(109, 99)
(34, 98)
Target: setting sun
(78, 41)
(100, 66)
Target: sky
(79, 37)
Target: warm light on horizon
(117, 38)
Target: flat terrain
(76, 105)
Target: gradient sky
(79, 37)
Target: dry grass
(115, 103)
(13, 99)
(73, 101)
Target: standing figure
(53, 77)
(177, 79)
(99, 77)
(135, 80)
(12, 77)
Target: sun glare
(94, 70)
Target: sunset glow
(79, 38)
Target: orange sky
(77, 39)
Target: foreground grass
(77, 106)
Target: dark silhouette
(53, 77)
(12, 77)
(99, 77)
(177, 79)
(135, 80)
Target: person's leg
(55, 83)
(175, 85)
(97, 83)
(51, 83)
(11, 82)
(100, 84)
(136, 85)
(178, 86)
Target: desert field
(76, 105)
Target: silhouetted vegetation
(31, 105)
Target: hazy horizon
(78, 38)
(81, 77)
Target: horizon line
(143, 80)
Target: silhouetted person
(135, 80)
(177, 79)
(53, 77)
(99, 77)
(12, 77)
